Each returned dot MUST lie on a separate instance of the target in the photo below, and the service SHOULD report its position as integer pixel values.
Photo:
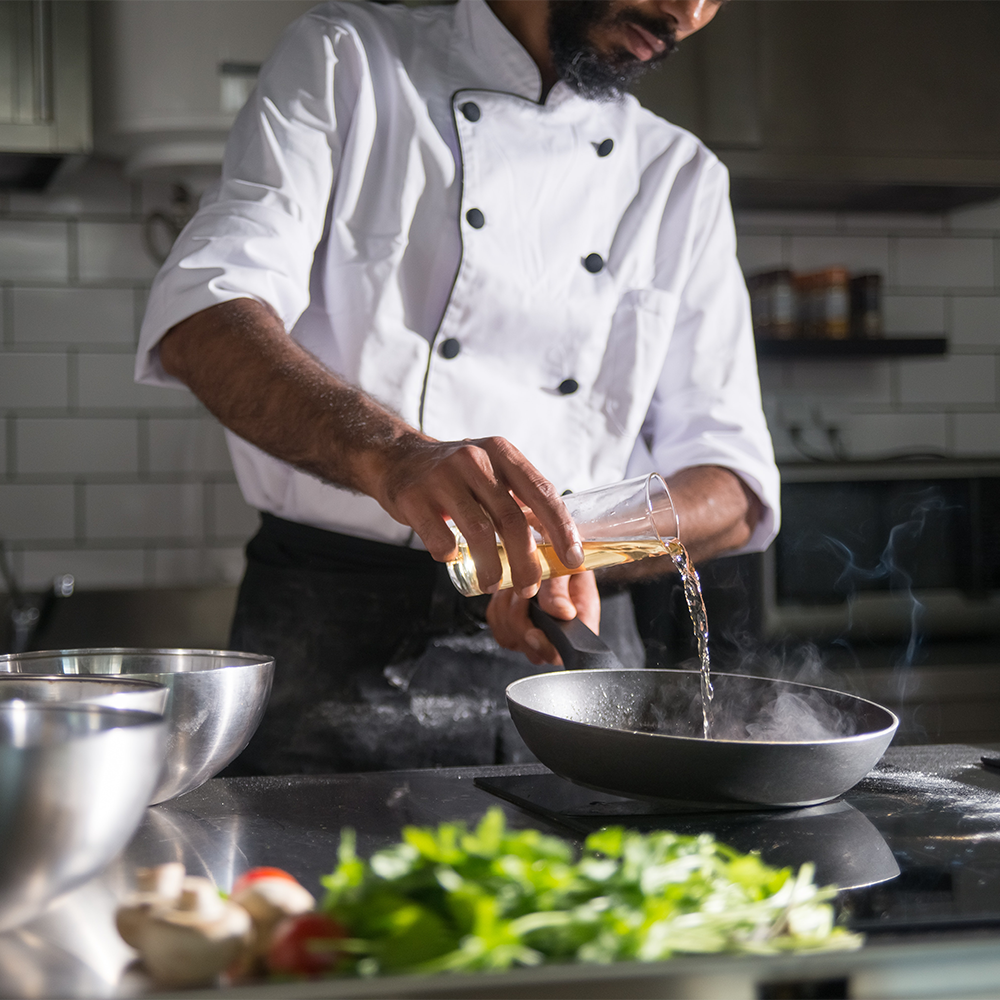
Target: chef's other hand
(425, 481)
(562, 597)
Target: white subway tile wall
(907, 315)
(124, 485)
(120, 485)
(941, 276)
(857, 253)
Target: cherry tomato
(304, 945)
(256, 874)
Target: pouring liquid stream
(699, 622)
(597, 555)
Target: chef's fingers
(468, 481)
(562, 597)
(507, 616)
(533, 489)
(518, 541)
(477, 497)
(438, 480)
(483, 508)
(573, 596)
(585, 598)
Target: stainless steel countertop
(229, 825)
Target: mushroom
(184, 931)
(191, 943)
(269, 901)
(159, 886)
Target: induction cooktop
(913, 846)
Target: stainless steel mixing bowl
(216, 701)
(74, 784)
(111, 692)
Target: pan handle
(579, 648)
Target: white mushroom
(269, 901)
(190, 944)
(159, 886)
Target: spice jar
(824, 303)
(773, 304)
(866, 306)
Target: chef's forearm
(238, 360)
(717, 512)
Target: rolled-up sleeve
(706, 409)
(255, 234)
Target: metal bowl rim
(697, 740)
(129, 716)
(139, 683)
(251, 659)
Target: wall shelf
(890, 347)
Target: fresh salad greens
(493, 898)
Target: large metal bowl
(74, 784)
(217, 699)
(64, 689)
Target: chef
(452, 269)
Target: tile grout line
(72, 253)
(208, 513)
(79, 512)
(73, 381)
(10, 431)
(142, 446)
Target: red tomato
(304, 945)
(255, 875)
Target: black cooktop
(914, 846)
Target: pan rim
(698, 740)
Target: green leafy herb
(493, 898)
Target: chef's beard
(600, 76)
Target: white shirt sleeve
(706, 408)
(255, 235)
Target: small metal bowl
(217, 699)
(74, 784)
(64, 689)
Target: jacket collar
(497, 55)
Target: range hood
(868, 105)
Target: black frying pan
(638, 732)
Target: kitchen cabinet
(830, 105)
(44, 87)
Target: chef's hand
(563, 597)
(426, 481)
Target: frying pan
(637, 733)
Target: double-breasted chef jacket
(562, 274)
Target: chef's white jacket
(561, 274)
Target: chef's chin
(601, 77)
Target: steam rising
(811, 714)
(800, 718)
(750, 709)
